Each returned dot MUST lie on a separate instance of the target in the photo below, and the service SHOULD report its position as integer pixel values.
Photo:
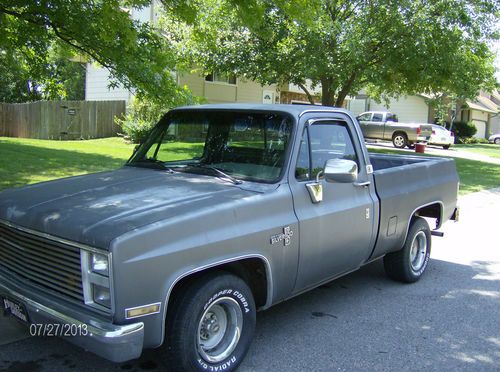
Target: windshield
(243, 145)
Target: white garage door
(409, 109)
(357, 106)
(481, 128)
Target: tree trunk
(327, 94)
(308, 94)
(345, 90)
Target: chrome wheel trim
(418, 251)
(219, 329)
(399, 141)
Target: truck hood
(94, 209)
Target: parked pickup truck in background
(222, 211)
(385, 126)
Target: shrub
(143, 113)
(140, 118)
(464, 130)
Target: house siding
(193, 82)
(243, 91)
(96, 86)
(495, 124)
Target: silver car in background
(441, 137)
(495, 138)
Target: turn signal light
(142, 310)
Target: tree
(99, 30)
(58, 78)
(390, 47)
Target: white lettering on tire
(228, 291)
(217, 368)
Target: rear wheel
(497, 141)
(212, 324)
(399, 140)
(409, 264)
(446, 147)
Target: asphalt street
(448, 321)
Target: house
(215, 88)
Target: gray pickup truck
(385, 126)
(222, 211)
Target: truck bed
(406, 183)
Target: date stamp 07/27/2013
(58, 330)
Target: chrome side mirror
(341, 171)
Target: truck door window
(364, 117)
(377, 117)
(322, 142)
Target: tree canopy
(97, 30)
(389, 47)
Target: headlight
(100, 264)
(101, 295)
(96, 281)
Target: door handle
(362, 184)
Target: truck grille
(38, 261)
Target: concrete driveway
(450, 320)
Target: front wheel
(446, 147)
(212, 324)
(399, 140)
(409, 264)
(497, 141)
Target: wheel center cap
(213, 326)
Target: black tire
(408, 264)
(446, 147)
(202, 305)
(399, 140)
(497, 141)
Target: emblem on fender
(285, 236)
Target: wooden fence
(61, 119)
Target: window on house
(221, 78)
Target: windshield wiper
(151, 163)
(220, 172)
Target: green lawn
(482, 149)
(24, 161)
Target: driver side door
(336, 234)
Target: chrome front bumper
(117, 343)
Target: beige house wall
(244, 91)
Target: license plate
(15, 308)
